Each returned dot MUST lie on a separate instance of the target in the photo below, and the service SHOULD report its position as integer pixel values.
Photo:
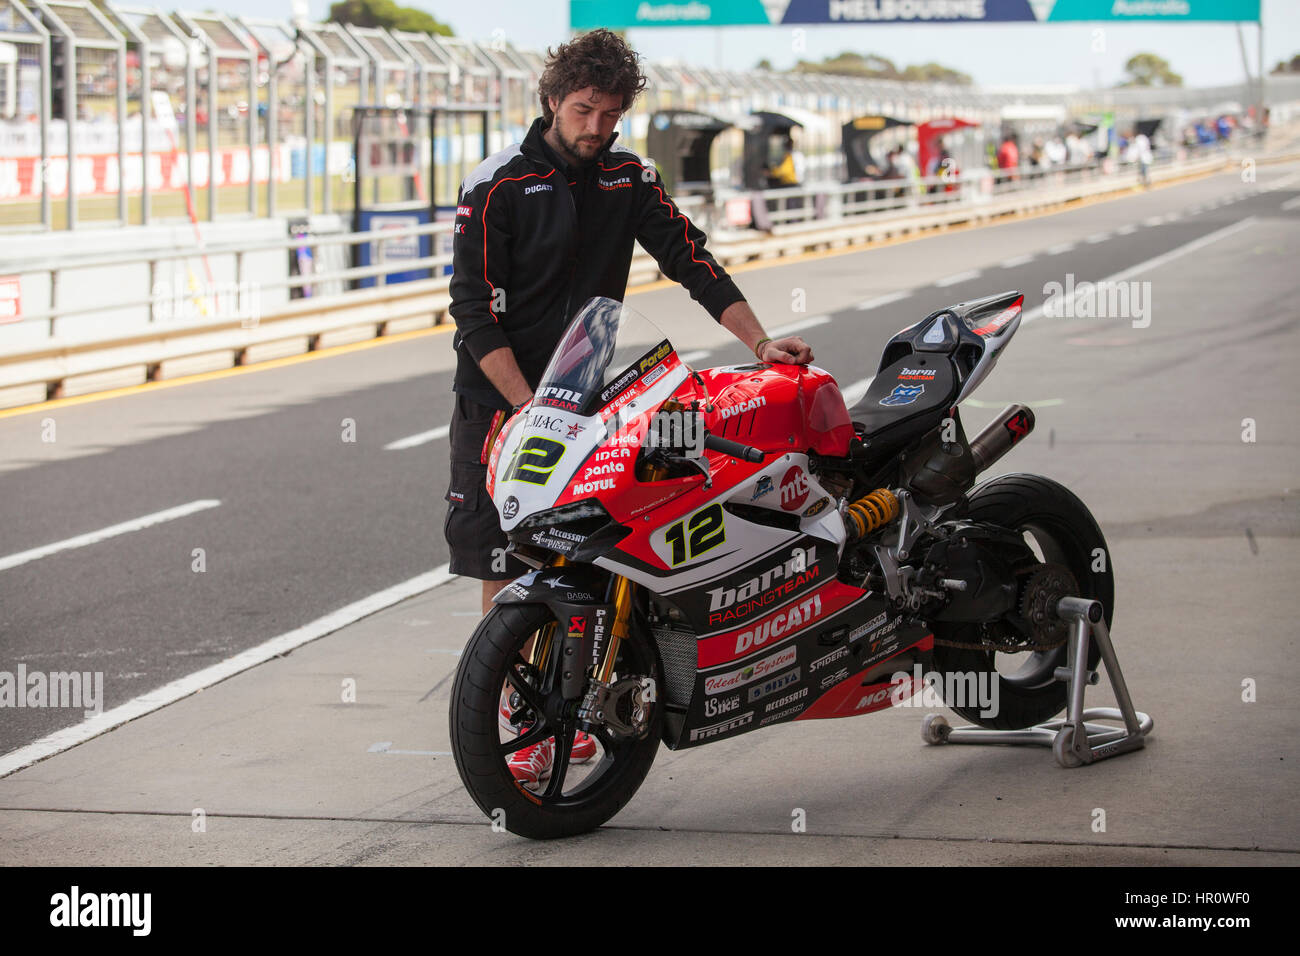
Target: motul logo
(586, 487)
(873, 698)
(743, 407)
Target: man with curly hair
(541, 227)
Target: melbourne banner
(621, 14)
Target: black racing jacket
(533, 243)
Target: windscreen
(603, 351)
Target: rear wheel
(573, 798)
(1061, 531)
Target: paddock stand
(1072, 748)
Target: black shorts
(473, 529)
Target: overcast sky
(994, 54)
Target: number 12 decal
(706, 533)
(535, 460)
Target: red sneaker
(584, 747)
(531, 765)
(504, 713)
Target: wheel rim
(569, 784)
(1055, 545)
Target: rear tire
(585, 797)
(1066, 533)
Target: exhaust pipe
(1001, 435)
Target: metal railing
(826, 203)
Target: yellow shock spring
(871, 512)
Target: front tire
(1065, 533)
(575, 799)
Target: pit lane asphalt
(309, 522)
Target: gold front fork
(618, 631)
(541, 650)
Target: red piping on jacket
(483, 218)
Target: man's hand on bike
(791, 350)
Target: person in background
(1139, 151)
(1009, 155)
(1080, 154)
(1055, 151)
(909, 171)
(789, 171)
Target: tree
(1288, 66)
(1148, 69)
(387, 14)
(873, 66)
(936, 73)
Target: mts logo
(794, 489)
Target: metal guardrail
(45, 370)
(59, 266)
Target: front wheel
(1060, 530)
(571, 797)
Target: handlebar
(735, 449)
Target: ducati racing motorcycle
(716, 552)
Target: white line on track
(412, 440)
(959, 277)
(1126, 230)
(1059, 248)
(93, 537)
(1038, 403)
(1098, 237)
(147, 703)
(792, 327)
(880, 300)
(1173, 217)
(853, 393)
(1179, 251)
(1292, 203)
(689, 357)
(1016, 261)
(386, 747)
(1153, 220)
